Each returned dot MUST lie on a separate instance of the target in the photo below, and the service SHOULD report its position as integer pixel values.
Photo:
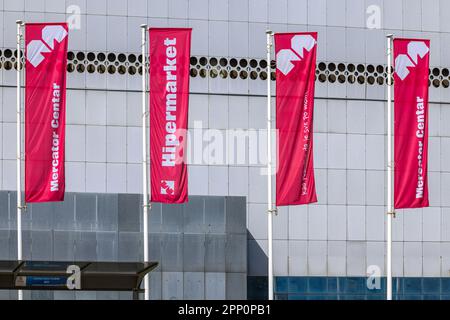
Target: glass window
(297, 285)
(281, 284)
(412, 285)
(431, 285)
(317, 284)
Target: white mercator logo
(36, 48)
(299, 43)
(167, 187)
(403, 62)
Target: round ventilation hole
(223, 62)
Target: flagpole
(269, 34)
(146, 205)
(19, 142)
(390, 164)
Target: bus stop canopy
(94, 276)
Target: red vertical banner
(295, 74)
(45, 111)
(169, 99)
(411, 62)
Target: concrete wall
(201, 247)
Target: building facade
(324, 250)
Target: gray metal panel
(64, 217)
(5, 295)
(4, 210)
(215, 286)
(172, 218)
(125, 295)
(107, 245)
(64, 295)
(172, 285)
(107, 212)
(107, 295)
(86, 295)
(130, 246)
(154, 246)
(64, 245)
(156, 285)
(8, 240)
(155, 218)
(194, 216)
(172, 252)
(41, 248)
(215, 252)
(86, 211)
(194, 286)
(26, 244)
(42, 295)
(236, 286)
(215, 215)
(5, 252)
(42, 215)
(86, 246)
(236, 219)
(130, 211)
(236, 253)
(194, 253)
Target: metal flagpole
(146, 205)
(19, 143)
(270, 210)
(390, 164)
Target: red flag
(296, 66)
(45, 111)
(169, 99)
(411, 61)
